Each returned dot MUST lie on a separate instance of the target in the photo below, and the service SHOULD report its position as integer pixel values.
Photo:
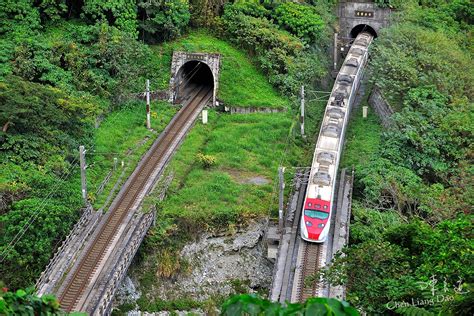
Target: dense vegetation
(23, 302)
(253, 305)
(411, 238)
(68, 67)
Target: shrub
(163, 19)
(206, 161)
(299, 19)
(25, 302)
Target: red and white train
(319, 199)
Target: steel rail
(97, 247)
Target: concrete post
(148, 123)
(281, 170)
(302, 111)
(364, 111)
(204, 116)
(115, 163)
(335, 51)
(82, 161)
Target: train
(319, 198)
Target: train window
(316, 214)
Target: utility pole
(335, 51)
(281, 170)
(82, 161)
(302, 112)
(148, 124)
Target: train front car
(319, 199)
(315, 220)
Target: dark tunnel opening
(192, 76)
(362, 28)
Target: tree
(299, 19)
(25, 302)
(253, 305)
(121, 13)
(163, 19)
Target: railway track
(311, 263)
(88, 265)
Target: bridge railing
(65, 253)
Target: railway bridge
(87, 269)
(89, 266)
(298, 261)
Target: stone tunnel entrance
(362, 28)
(192, 70)
(193, 75)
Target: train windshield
(316, 214)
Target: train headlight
(309, 224)
(320, 225)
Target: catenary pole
(281, 179)
(148, 123)
(82, 161)
(302, 111)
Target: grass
(121, 136)
(244, 146)
(240, 82)
(362, 138)
(219, 198)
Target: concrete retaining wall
(381, 107)
(249, 110)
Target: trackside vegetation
(411, 234)
(66, 75)
(69, 71)
(240, 82)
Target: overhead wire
(27, 225)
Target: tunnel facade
(361, 15)
(188, 69)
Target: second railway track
(312, 256)
(76, 285)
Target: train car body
(319, 198)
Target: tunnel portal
(193, 70)
(362, 28)
(191, 76)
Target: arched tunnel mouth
(362, 28)
(193, 76)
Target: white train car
(319, 199)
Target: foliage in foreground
(26, 302)
(252, 305)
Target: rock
(216, 263)
(257, 180)
(126, 293)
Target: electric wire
(27, 225)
